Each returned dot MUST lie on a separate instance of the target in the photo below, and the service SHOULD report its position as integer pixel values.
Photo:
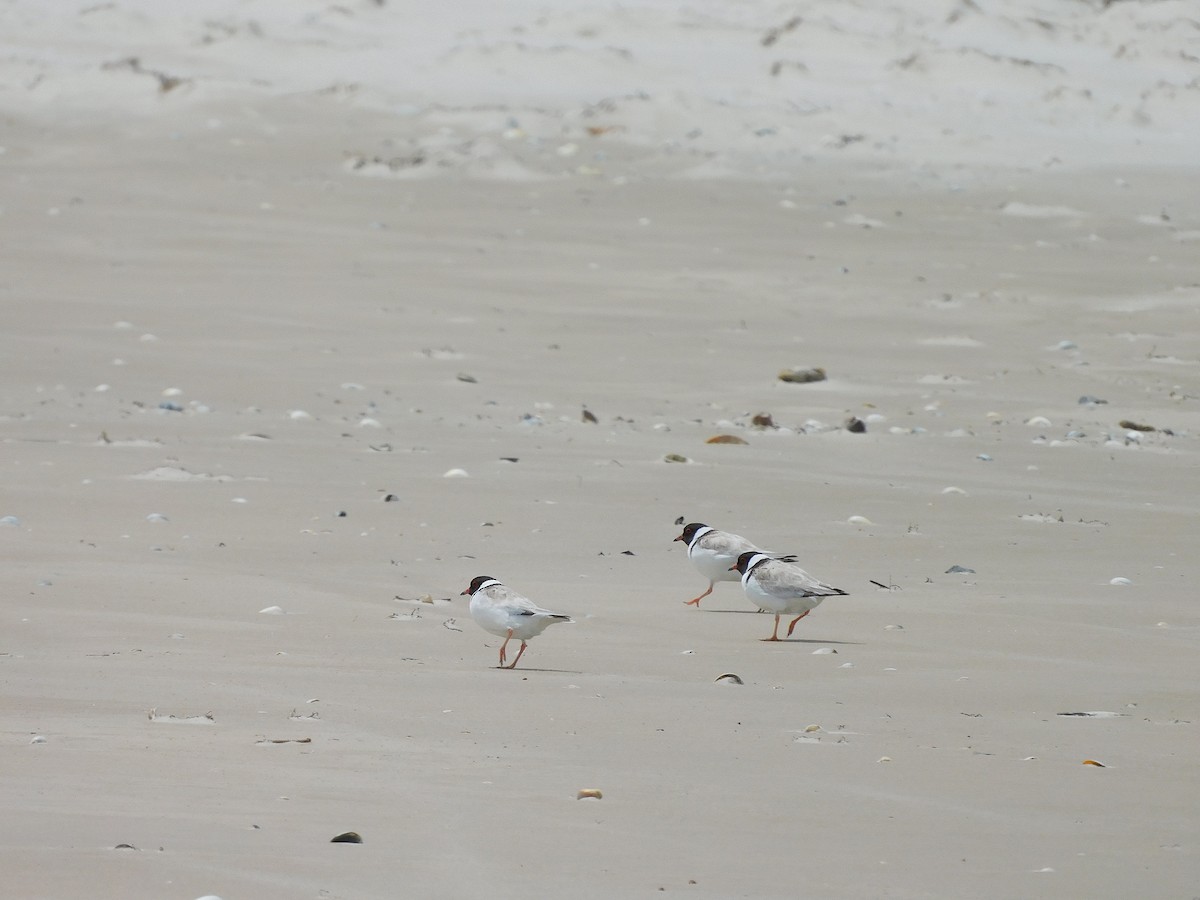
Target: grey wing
(785, 580)
(726, 543)
(507, 598)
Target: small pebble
(811, 728)
(157, 517)
(984, 457)
(347, 837)
(297, 414)
(38, 739)
(954, 490)
(1120, 581)
(1066, 345)
(1038, 422)
(859, 520)
(856, 425)
(456, 473)
(959, 570)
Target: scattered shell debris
(729, 678)
(1119, 581)
(589, 794)
(1096, 714)
(456, 473)
(1092, 762)
(859, 520)
(726, 439)
(802, 376)
(155, 716)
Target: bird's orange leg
(795, 620)
(696, 601)
(774, 634)
(518, 659)
(502, 653)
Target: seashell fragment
(726, 439)
(1119, 580)
(855, 425)
(859, 520)
(812, 728)
(272, 611)
(885, 759)
(675, 458)
(456, 473)
(1092, 762)
(589, 794)
(959, 570)
(347, 837)
(823, 651)
(802, 376)
(730, 678)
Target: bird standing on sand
(505, 613)
(714, 553)
(781, 587)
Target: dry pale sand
(225, 343)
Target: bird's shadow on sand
(795, 640)
(524, 669)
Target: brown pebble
(726, 439)
(763, 420)
(347, 837)
(855, 425)
(589, 417)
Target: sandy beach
(303, 305)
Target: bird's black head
(475, 583)
(748, 561)
(689, 532)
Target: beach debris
(802, 376)
(154, 716)
(893, 627)
(272, 611)
(450, 625)
(1089, 400)
(589, 794)
(346, 837)
(1092, 762)
(1120, 581)
(855, 425)
(390, 498)
(456, 473)
(676, 458)
(959, 570)
(38, 739)
(1038, 422)
(124, 847)
(10, 522)
(464, 377)
(763, 420)
(729, 678)
(809, 729)
(774, 34)
(823, 651)
(1066, 345)
(157, 517)
(297, 414)
(589, 417)
(984, 457)
(954, 490)
(859, 520)
(885, 759)
(1096, 714)
(725, 439)
(1135, 426)
(680, 520)
(284, 740)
